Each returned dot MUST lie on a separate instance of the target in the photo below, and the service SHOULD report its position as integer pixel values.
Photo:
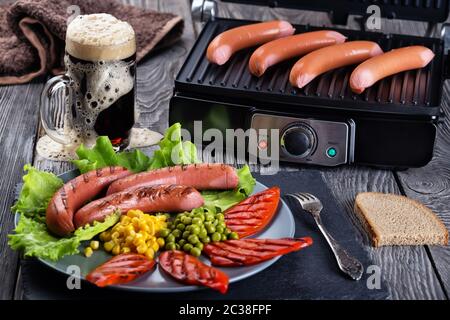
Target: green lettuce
(37, 190)
(173, 150)
(222, 200)
(102, 154)
(33, 238)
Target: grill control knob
(298, 140)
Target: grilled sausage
(206, 176)
(332, 57)
(387, 64)
(227, 43)
(75, 193)
(162, 198)
(282, 49)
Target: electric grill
(391, 124)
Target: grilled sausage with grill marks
(227, 43)
(329, 58)
(282, 49)
(205, 176)
(75, 193)
(387, 64)
(161, 198)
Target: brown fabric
(32, 34)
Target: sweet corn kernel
(94, 244)
(108, 246)
(88, 252)
(116, 250)
(115, 235)
(155, 246)
(150, 253)
(125, 250)
(160, 242)
(142, 248)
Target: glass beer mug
(96, 95)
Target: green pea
(176, 233)
(170, 246)
(181, 226)
(186, 220)
(216, 237)
(188, 227)
(199, 245)
(203, 233)
(195, 229)
(221, 224)
(227, 231)
(193, 239)
(196, 221)
(209, 217)
(224, 237)
(220, 229)
(211, 229)
(190, 215)
(233, 236)
(163, 233)
(187, 247)
(195, 252)
(170, 238)
(215, 222)
(220, 217)
(169, 225)
(186, 234)
(205, 239)
(177, 246)
(181, 242)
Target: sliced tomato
(120, 269)
(254, 213)
(245, 252)
(189, 270)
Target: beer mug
(96, 95)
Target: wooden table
(410, 272)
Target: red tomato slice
(245, 252)
(120, 269)
(254, 213)
(189, 270)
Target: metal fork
(348, 264)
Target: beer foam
(100, 36)
(51, 150)
(143, 137)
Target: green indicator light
(331, 152)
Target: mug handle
(54, 116)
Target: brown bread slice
(392, 219)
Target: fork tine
(307, 196)
(302, 196)
(313, 197)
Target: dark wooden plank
(408, 271)
(18, 120)
(431, 186)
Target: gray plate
(282, 226)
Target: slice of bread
(392, 219)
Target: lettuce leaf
(102, 154)
(33, 238)
(37, 190)
(219, 201)
(173, 150)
